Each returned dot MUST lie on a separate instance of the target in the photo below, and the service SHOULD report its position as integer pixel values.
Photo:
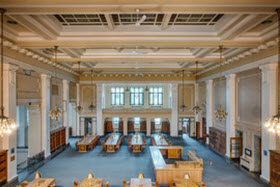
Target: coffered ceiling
(140, 35)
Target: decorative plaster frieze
(36, 56)
(242, 55)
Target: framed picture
(248, 152)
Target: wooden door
(235, 147)
(197, 129)
(204, 134)
(87, 123)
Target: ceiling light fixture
(183, 107)
(79, 108)
(56, 112)
(6, 124)
(196, 108)
(91, 107)
(273, 123)
(220, 113)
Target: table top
(91, 182)
(184, 182)
(41, 182)
(135, 182)
(87, 140)
(160, 140)
(114, 140)
(136, 141)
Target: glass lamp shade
(221, 114)
(6, 125)
(183, 107)
(79, 109)
(196, 109)
(55, 113)
(91, 107)
(273, 124)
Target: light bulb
(13, 126)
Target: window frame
(115, 121)
(134, 94)
(157, 94)
(121, 94)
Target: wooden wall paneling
(153, 128)
(58, 138)
(121, 126)
(130, 126)
(197, 130)
(3, 167)
(275, 167)
(108, 127)
(217, 140)
(143, 126)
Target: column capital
(45, 76)
(10, 67)
(231, 76)
(209, 81)
(269, 67)
(64, 81)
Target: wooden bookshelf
(217, 139)
(58, 138)
(275, 167)
(3, 167)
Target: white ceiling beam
(165, 21)
(247, 26)
(205, 52)
(233, 28)
(35, 26)
(110, 21)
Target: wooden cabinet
(58, 138)
(3, 167)
(143, 126)
(217, 140)
(275, 167)
(165, 128)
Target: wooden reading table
(42, 182)
(136, 182)
(87, 143)
(137, 143)
(111, 143)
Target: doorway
(22, 137)
(88, 126)
(257, 154)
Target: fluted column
(209, 106)
(65, 99)
(231, 108)
(125, 120)
(45, 109)
(99, 119)
(174, 107)
(269, 108)
(148, 126)
(9, 142)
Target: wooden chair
(106, 184)
(153, 141)
(24, 183)
(171, 183)
(155, 184)
(76, 183)
(103, 145)
(126, 184)
(76, 145)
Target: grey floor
(122, 165)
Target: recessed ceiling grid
(130, 19)
(194, 19)
(81, 19)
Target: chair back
(37, 175)
(141, 175)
